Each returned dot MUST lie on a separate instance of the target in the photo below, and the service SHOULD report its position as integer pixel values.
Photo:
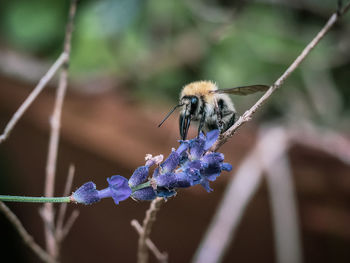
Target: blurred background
(129, 61)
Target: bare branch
(236, 198)
(247, 116)
(70, 221)
(142, 252)
(27, 238)
(51, 244)
(32, 96)
(63, 207)
(247, 179)
(283, 202)
(162, 257)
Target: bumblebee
(210, 107)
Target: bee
(210, 107)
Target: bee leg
(219, 121)
(230, 118)
(201, 123)
(184, 124)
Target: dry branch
(51, 241)
(27, 238)
(283, 202)
(142, 252)
(63, 207)
(162, 257)
(247, 116)
(62, 230)
(236, 198)
(32, 96)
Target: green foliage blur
(155, 47)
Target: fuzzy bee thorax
(200, 89)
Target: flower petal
(211, 138)
(183, 147)
(205, 184)
(119, 187)
(196, 164)
(86, 194)
(212, 158)
(183, 180)
(145, 194)
(197, 148)
(176, 180)
(213, 168)
(212, 177)
(226, 167)
(167, 180)
(170, 163)
(139, 176)
(165, 193)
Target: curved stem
(30, 199)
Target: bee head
(190, 104)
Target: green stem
(30, 199)
(141, 186)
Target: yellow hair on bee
(200, 89)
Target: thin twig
(51, 244)
(142, 252)
(283, 202)
(247, 116)
(162, 257)
(62, 230)
(63, 207)
(32, 96)
(236, 198)
(27, 238)
(70, 221)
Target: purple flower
(174, 180)
(118, 189)
(226, 167)
(173, 159)
(195, 165)
(211, 138)
(212, 165)
(139, 176)
(197, 147)
(144, 194)
(201, 144)
(170, 163)
(205, 184)
(165, 193)
(182, 148)
(86, 194)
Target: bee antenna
(167, 116)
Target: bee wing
(244, 90)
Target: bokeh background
(129, 61)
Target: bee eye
(194, 104)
